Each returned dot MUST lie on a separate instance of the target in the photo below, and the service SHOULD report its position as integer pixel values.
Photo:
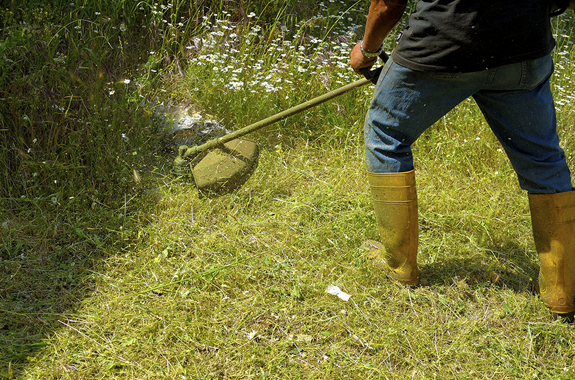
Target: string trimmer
(225, 163)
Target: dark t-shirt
(474, 35)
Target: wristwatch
(370, 55)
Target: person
(499, 53)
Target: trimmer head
(226, 167)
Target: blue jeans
(515, 99)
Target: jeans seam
(448, 76)
(491, 77)
(383, 74)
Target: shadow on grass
(48, 255)
(45, 268)
(509, 268)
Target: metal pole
(185, 151)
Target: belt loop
(524, 66)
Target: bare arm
(382, 17)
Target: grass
(112, 267)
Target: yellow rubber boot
(395, 203)
(553, 220)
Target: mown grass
(112, 267)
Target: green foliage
(112, 267)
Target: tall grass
(112, 267)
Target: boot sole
(372, 248)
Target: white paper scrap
(336, 291)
